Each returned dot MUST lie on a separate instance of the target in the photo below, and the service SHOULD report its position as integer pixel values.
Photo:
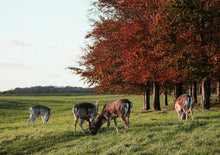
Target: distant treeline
(48, 89)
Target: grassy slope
(149, 132)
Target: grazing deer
(120, 108)
(182, 105)
(37, 110)
(84, 111)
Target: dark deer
(37, 110)
(120, 108)
(182, 105)
(86, 112)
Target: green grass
(150, 132)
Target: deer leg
(34, 120)
(42, 117)
(76, 119)
(182, 115)
(191, 113)
(92, 118)
(108, 124)
(29, 120)
(127, 120)
(116, 125)
(80, 124)
(124, 121)
(45, 119)
(178, 113)
(186, 115)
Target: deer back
(185, 101)
(84, 110)
(115, 109)
(39, 110)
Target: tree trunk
(178, 90)
(194, 92)
(218, 89)
(205, 97)
(190, 90)
(200, 89)
(146, 99)
(165, 98)
(156, 96)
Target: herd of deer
(120, 108)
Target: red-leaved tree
(122, 58)
(186, 33)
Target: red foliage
(139, 41)
(186, 34)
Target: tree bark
(178, 90)
(194, 92)
(205, 97)
(190, 90)
(165, 98)
(146, 99)
(200, 89)
(218, 89)
(156, 96)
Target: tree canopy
(135, 43)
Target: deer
(86, 112)
(182, 105)
(120, 108)
(37, 110)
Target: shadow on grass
(208, 117)
(175, 126)
(142, 111)
(27, 145)
(14, 105)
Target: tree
(194, 91)
(205, 97)
(121, 58)
(186, 34)
(218, 89)
(156, 95)
(137, 43)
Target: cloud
(49, 47)
(2, 46)
(23, 45)
(71, 53)
(16, 42)
(54, 76)
(14, 65)
(18, 45)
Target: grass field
(150, 132)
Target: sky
(39, 39)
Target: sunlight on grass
(150, 132)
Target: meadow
(150, 132)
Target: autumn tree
(121, 57)
(137, 43)
(186, 34)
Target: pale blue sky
(39, 39)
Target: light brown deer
(120, 108)
(37, 110)
(182, 105)
(86, 112)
